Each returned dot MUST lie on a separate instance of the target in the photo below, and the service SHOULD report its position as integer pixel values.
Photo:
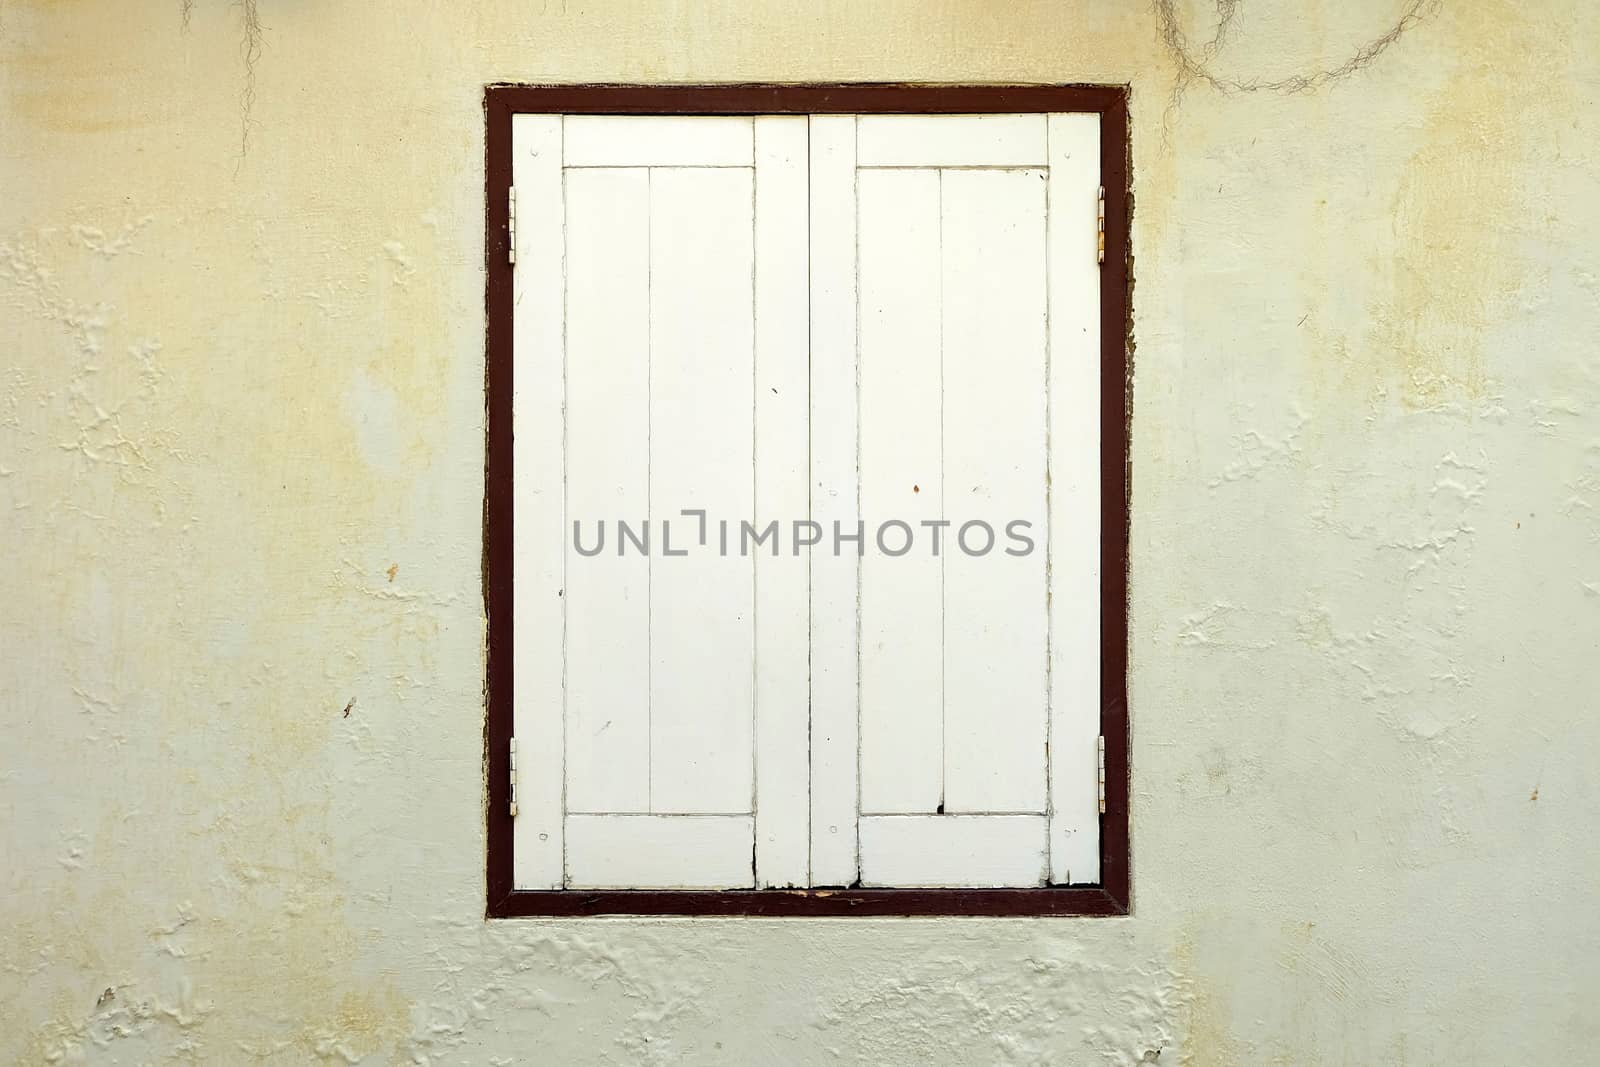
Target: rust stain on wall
(1469, 206)
(1207, 1039)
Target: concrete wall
(241, 635)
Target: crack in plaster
(1194, 65)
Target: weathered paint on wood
(756, 323)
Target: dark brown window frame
(1111, 895)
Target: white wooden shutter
(841, 320)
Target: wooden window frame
(1111, 895)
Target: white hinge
(1100, 234)
(1100, 759)
(514, 780)
(511, 231)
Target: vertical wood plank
(702, 634)
(782, 821)
(834, 661)
(608, 425)
(902, 688)
(537, 505)
(1074, 498)
(994, 432)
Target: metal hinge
(511, 232)
(1100, 239)
(514, 780)
(1100, 760)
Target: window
(806, 500)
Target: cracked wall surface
(241, 630)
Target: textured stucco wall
(240, 477)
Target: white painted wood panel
(608, 427)
(834, 487)
(782, 587)
(659, 851)
(659, 141)
(902, 687)
(993, 236)
(952, 141)
(1074, 499)
(702, 633)
(759, 324)
(538, 515)
(953, 850)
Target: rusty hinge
(1100, 243)
(514, 780)
(1100, 760)
(511, 229)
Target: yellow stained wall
(241, 633)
